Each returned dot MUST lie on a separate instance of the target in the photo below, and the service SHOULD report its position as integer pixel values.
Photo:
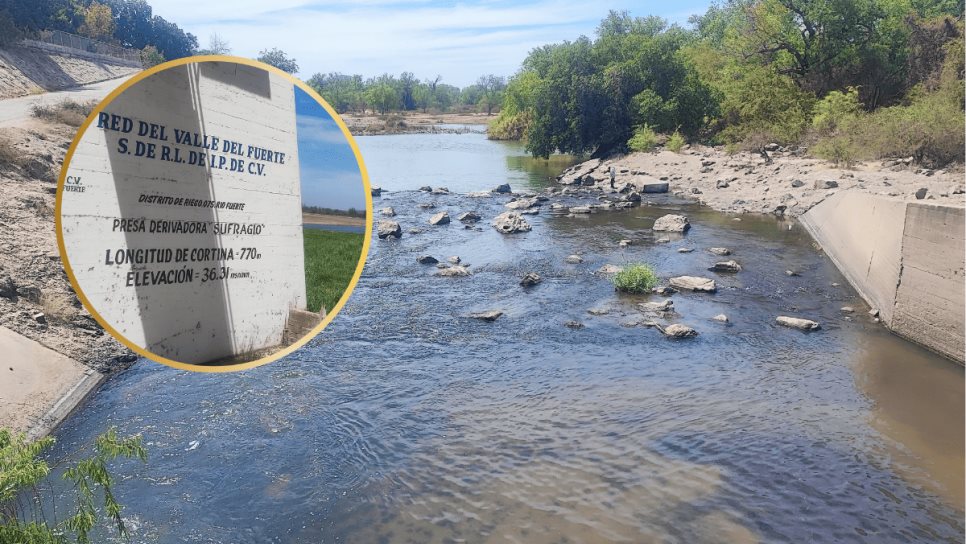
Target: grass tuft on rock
(636, 278)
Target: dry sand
(325, 219)
(36, 298)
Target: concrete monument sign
(180, 215)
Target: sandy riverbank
(326, 219)
(413, 122)
(788, 185)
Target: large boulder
(389, 228)
(510, 222)
(694, 283)
(798, 323)
(672, 223)
(376, 191)
(651, 185)
(442, 218)
(426, 259)
(503, 188)
(388, 212)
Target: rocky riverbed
(785, 183)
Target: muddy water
(406, 421)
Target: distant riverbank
(327, 219)
(415, 123)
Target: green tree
(22, 470)
(277, 58)
(382, 97)
(98, 21)
(491, 91)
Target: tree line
(351, 212)
(851, 79)
(127, 23)
(389, 93)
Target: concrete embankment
(33, 67)
(905, 258)
(40, 387)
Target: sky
(459, 41)
(328, 168)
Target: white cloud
(460, 42)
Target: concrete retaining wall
(33, 70)
(905, 258)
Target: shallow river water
(406, 421)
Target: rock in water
(491, 315)
(574, 259)
(388, 212)
(389, 228)
(455, 259)
(609, 269)
(426, 259)
(453, 272)
(663, 306)
(426, 189)
(574, 325)
(530, 279)
(679, 331)
(442, 218)
(672, 223)
(726, 266)
(510, 222)
(376, 191)
(721, 318)
(798, 323)
(685, 250)
(580, 209)
(469, 217)
(694, 283)
(522, 204)
(502, 189)
(720, 251)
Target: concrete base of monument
(298, 324)
(40, 387)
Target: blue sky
(329, 172)
(457, 40)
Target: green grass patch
(644, 139)
(330, 261)
(636, 278)
(675, 142)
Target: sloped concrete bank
(31, 68)
(906, 259)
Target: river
(407, 421)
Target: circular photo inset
(213, 213)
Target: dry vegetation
(67, 112)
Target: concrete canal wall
(906, 259)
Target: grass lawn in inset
(330, 260)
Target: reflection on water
(460, 162)
(406, 421)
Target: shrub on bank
(644, 139)
(675, 142)
(636, 278)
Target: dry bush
(57, 307)
(10, 155)
(66, 112)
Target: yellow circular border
(331, 313)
